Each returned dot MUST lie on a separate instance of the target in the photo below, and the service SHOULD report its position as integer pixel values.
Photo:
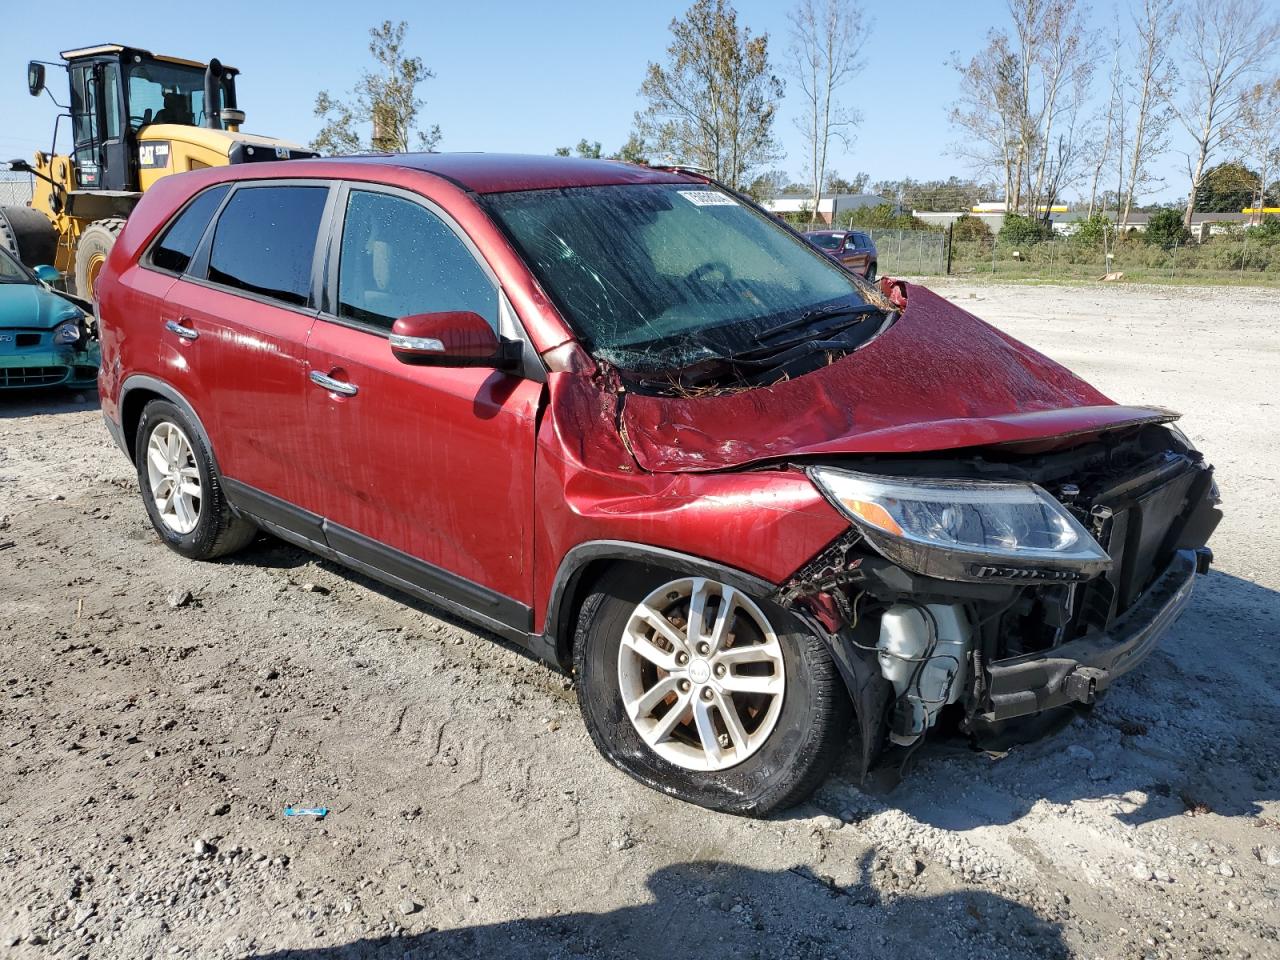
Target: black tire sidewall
(200, 542)
(762, 781)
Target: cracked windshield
(661, 276)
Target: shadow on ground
(50, 400)
(1192, 729)
(691, 913)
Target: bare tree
(1258, 137)
(988, 114)
(1224, 43)
(1110, 120)
(714, 102)
(386, 100)
(827, 37)
(1021, 98)
(1155, 24)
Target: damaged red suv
(622, 417)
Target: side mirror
(453, 338)
(47, 274)
(35, 78)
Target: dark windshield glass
(11, 271)
(166, 93)
(653, 276)
(827, 241)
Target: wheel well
(570, 605)
(135, 401)
(600, 557)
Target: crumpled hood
(938, 379)
(32, 307)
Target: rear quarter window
(265, 240)
(176, 246)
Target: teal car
(44, 338)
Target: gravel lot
(158, 715)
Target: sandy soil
(152, 741)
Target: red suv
(620, 416)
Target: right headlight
(965, 529)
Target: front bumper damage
(1077, 672)
(993, 644)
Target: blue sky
(511, 76)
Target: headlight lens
(1018, 523)
(68, 332)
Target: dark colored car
(851, 247)
(624, 419)
(44, 337)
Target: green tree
(713, 103)
(1226, 188)
(385, 101)
(767, 186)
(856, 184)
(633, 151)
(1166, 229)
(585, 148)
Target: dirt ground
(158, 715)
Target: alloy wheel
(174, 477)
(701, 674)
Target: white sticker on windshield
(708, 198)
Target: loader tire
(92, 252)
(28, 235)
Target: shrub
(1165, 229)
(967, 227)
(1023, 231)
(1267, 232)
(1092, 232)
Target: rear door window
(399, 259)
(264, 242)
(175, 248)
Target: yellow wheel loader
(134, 117)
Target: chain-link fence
(900, 252)
(15, 189)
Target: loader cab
(116, 91)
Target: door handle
(186, 333)
(336, 386)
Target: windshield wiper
(859, 313)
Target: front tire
(92, 251)
(181, 488)
(707, 694)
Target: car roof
(501, 172)
(825, 233)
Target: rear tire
(92, 252)
(787, 749)
(871, 272)
(181, 488)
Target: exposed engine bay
(917, 627)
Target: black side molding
(503, 615)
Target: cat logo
(153, 156)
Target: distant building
(830, 206)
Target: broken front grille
(1137, 521)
